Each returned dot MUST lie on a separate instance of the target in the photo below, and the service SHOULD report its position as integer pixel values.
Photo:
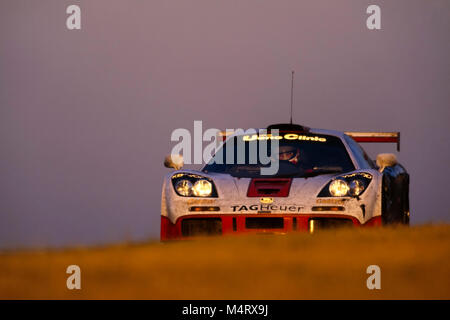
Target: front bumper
(195, 225)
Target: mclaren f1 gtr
(325, 179)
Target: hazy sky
(86, 115)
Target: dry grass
(414, 262)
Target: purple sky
(86, 116)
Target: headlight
(193, 185)
(339, 188)
(352, 184)
(356, 187)
(184, 188)
(202, 188)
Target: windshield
(306, 156)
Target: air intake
(260, 187)
(201, 227)
(264, 223)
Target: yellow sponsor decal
(330, 201)
(362, 174)
(287, 136)
(266, 200)
(200, 201)
(190, 175)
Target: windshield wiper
(248, 171)
(316, 171)
(321, 170)
(243, 171)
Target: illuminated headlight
(339, 188)
(184, 188)
(348, 185)
(202, 188)
(193, 185)
(356, 187)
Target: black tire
(395, 199)
(405, 200)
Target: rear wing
(382, 137)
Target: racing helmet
(289, 153)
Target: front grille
(201, 227)
(264, 223)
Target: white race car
(324, 179)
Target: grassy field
(414, 262)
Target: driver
(289, 153)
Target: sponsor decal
(358, 174)
(288, 136)
(190, 175)
(200, 201)
(266, 200)
(331, 201)
(266, 208)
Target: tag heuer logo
(266, 200)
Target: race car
(324, 180)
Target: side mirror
(174, 161)
(386, 160)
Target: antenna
(292, 92)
